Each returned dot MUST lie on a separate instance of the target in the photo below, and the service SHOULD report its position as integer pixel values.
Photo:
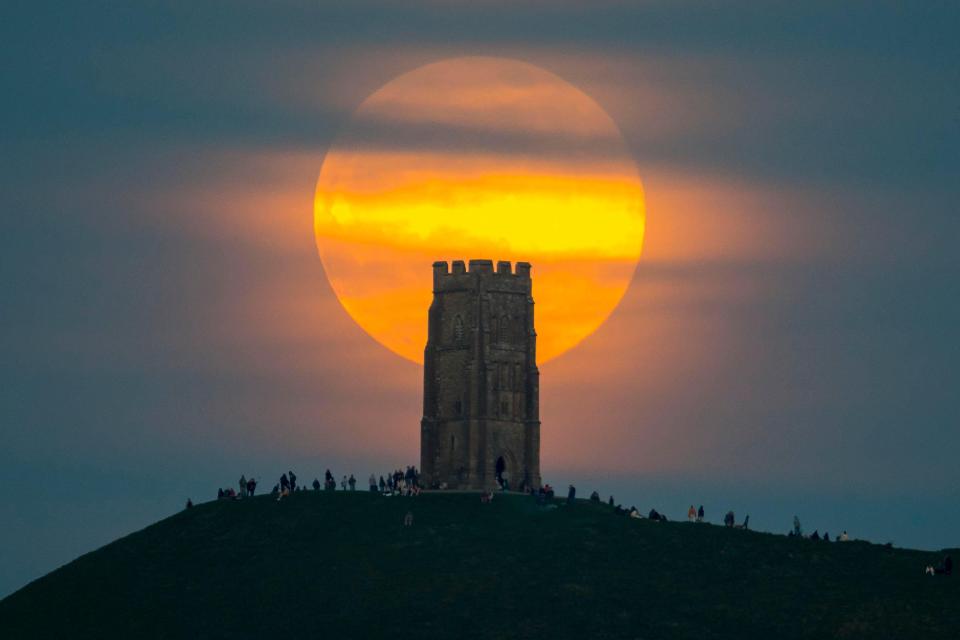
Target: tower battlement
(458, 275)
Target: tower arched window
(458, 330)
(494, 334)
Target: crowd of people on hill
(797, 532)
(406, 482)
(397, 482)
(945, 568)
(248, 487)
(543, 495)
(696, 514)
(730, 521)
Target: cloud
(794, 94)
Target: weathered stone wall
(481, 383)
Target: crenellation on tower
(481, 423)
(481, 273)
(504, 268)
(481, 266)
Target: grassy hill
(341, 565)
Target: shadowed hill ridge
(326, 565)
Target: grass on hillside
(342, 565)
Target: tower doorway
(501, 471)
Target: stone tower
(481, 386)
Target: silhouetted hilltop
(342, 565)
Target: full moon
(479, 158)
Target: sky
(787, 344)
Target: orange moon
(479, 158)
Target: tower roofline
(481, 266)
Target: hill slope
(341, 565)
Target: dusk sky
(787, 344)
